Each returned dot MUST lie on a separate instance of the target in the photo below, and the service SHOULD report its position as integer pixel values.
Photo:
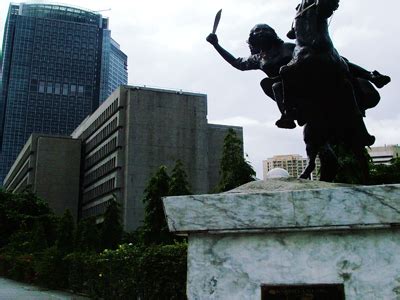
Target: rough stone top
(286, 205)
(285, 184)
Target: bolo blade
(216, 21)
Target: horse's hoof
(379, 80)
(285, 123)
(301, 122)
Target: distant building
(294, 164)
(384, 154)
(133, 133)
(114, 71)
(48, 166)
(52, 72)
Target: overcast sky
(166, 47)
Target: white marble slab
(234, 266)
(295, 205)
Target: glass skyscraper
(56, 64)
(114, 69)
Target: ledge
(286, 205)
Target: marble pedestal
(291, 232)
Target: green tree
(87, 238)
(155, 229)
(20, 212)
(111, 230)
(385, 174)
(353, 167)
(65, 233)
(179, 184)
(235, 169)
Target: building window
(49, 87)
(65, 89)
(41, 87)
(57, 89)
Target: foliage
(178, 183)
(385, 174)
(131, 271)
(155, 229)
(87, 236)
(111, 229)
(235, 170)
(43, 249)
(51, 269)
(163, 268)
(351, 170)
(65, 233)
(19, 212)
(82, 271)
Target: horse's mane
(327, 7)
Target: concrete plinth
(291, 232)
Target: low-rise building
(48, 166)
(384, 154)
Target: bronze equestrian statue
(312, 84)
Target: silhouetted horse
(317, 91)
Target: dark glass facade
(50, 73)
(114, 69)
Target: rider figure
(269, 53)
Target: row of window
(23, 186)
(100, 171)
(100, 190)
(102, 135)
(101, 153)
(96, 210)
(64, 89)
(20, 175)
(105, 115)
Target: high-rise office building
(51, 72)
(114, 69)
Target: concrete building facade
(133, 133)
(293, 163)
(384, 154)
(48, 166)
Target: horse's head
(325, 7)
(262, 37)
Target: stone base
(253, 236)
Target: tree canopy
(235, 169)
(385, 174)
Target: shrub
(131, 272)
(51, 269)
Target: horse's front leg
(329, 163)
(312, 152)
